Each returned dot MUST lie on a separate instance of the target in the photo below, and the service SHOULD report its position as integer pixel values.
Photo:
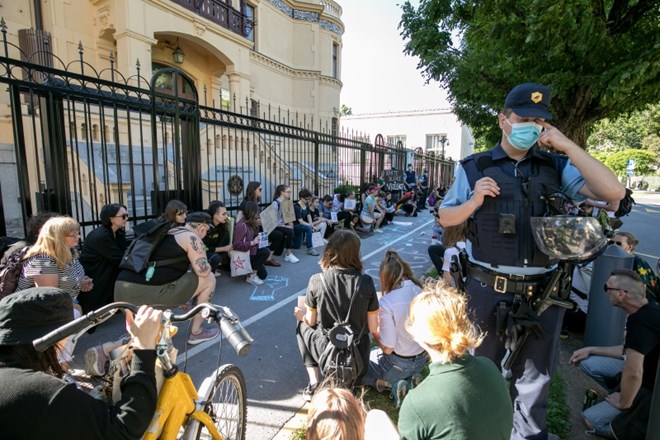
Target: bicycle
(218, 410)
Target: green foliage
(343, 189)
(558, 411)
(599, 58)
(646, 161)
(345, 110)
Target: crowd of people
(486, 259)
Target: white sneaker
(254, 280)
(325, 241)
(380, 231)
(291, 258)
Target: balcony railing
(219, 12)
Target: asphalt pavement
(273, 369)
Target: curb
(297, 421)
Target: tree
(635, 130)
(599, 57)
(645, 161)
(346, 111)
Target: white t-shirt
(449, 253)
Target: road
(273, 369)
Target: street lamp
(443, 141)
(177, 54)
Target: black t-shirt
(643, 336)
(217, 236)
(301, 213)
(167, 249)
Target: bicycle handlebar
(229, 323)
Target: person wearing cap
(497, 192)
(36, 403)
(174, 283)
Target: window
(437, 143)
(393, 140)
(249, 22)
(335, 60)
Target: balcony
(219, 12)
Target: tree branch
(619, 21)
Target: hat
(530, 100)
(32, 313)
(199, 217)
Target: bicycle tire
(224, 397)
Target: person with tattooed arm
(175, 283)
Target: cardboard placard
(393, 180)
(350, 204)
(269, 219)
(288, 212)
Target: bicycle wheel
(224, 398)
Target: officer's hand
(485, 186)
(553, 138)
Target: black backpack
(11, 272)
(341, 359)
(138, 254)
(625, 205)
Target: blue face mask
(524, 134)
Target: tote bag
(240, 263)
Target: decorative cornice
(136, 36)
(304, 15)
(294, 73)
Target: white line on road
(259, 316)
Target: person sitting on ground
(352, 219)
(453, 239)
(437, 251)
(101, 254)
(328, 299)
(398, 357)
(325, 208)
(281, 238)
(624, 415)
(175, 284)
(252, 194)
(369, 215)
(407, 204)
(174, 213)
(319, 223)
(34, 225)
(336, 413)
(388, 206)
(246, 238)
(302, 227)
(217, 240)
(464, 396)
(36, 403)
(628, 242)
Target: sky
(377, 76)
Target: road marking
(197, 349)
(647, 255)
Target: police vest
(520, 198)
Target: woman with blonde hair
(335, 413)
(53, 260)
(398, 357)
(341, 291)
(464, 396)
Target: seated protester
(246, 238)
(34, 225)
(302, 227)
(319, 223)
(388, 206)
(101, 254)
(217, 239)
(453, 240)
(337, 206)
(325, 208)
(281, 237)
(380, 207)
(35, 403)
(328, 300)
(175, 213)
(369, 216)
(628, 243)
(407, 204)
(352, 213)
(624, 414)
(175, 284)
(398, 357)
(464, 396)
(252, 194)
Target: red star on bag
(238, 263)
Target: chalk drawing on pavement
(267, 292)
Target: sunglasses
(618, 243)
(124, 216)
(606, 288)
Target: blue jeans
(392, 368)
(604, 370)
(600, 416)
(299, 231)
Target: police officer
(497, 192)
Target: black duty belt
(504, 283)
(407, 357)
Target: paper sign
(301, 303)
(349, 204)
(263, 240)
(317, 239)
(269, 219)
(288, 212)
(333, 217)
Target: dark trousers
(437, 252)
(257, 262)
(300, 231)
(532, 370)
(280, 239)
(218, 261)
